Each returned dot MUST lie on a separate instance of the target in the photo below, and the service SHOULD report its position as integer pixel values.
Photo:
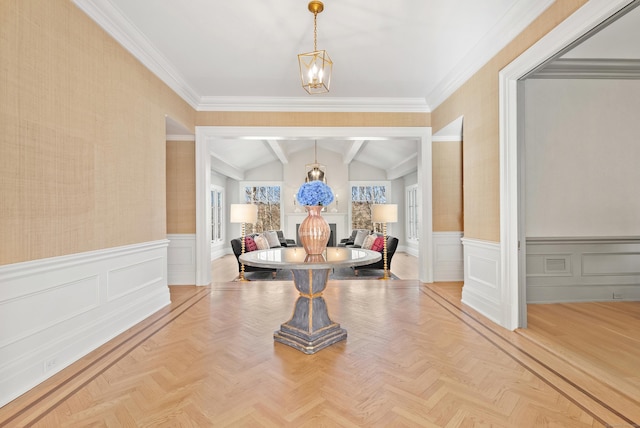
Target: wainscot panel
(448, 263)
(54, 311)
(482, 289)
(182, 259)
(583, 269)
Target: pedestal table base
(310, 329)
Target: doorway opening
(584, 23)
(207, 134)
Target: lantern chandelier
(316, 66)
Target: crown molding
(111, 19)
(589, 68)
(513, 23)
(315, 104)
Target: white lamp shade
(384, 213)
(243, 213)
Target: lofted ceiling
(396, 157)
(402, 56)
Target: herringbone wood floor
(414, 357)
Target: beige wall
(82, 148)
(82, 152)
(447, 186)
(207, 118)
(181, 187)
(477, 101)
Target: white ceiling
(405, 56)
(212, 50)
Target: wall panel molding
(482, 289)
(595, 269)
(81, 301)
(448, 261)
(181, 257)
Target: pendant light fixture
(316, 66)
(315, 170)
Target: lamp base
(241, 277)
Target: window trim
(222, 219)
(408, 210)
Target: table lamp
(243, 213)
(384, 213)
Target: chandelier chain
(315, 31)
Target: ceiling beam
(403, 168)
(352, 151)
(224, 168)
(278, 150)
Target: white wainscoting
(181, 257)
(482, 289)
(583, 269)
(54, 311)
(448, 262)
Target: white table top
(296, 258)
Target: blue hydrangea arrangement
(315, 193)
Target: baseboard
(220, 251)
(482, 289)
(181, 258)
(410, 248)
(82, 301)
(448, 261)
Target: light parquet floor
(601, 338)
(413, 358)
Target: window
(267, 198)
(363, 195)
(217, 208)
(412, 212)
